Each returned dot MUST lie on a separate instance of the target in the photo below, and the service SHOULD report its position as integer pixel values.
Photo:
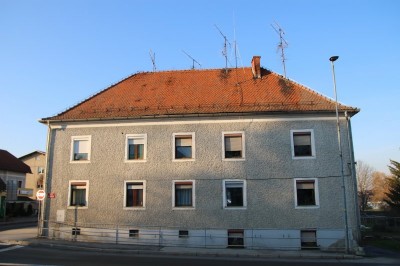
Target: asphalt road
(56, 256)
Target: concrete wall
(268, 169)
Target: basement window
(76, 231)
(134, 233)
(183, 233)
(235, 238)
(308, 239)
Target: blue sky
(54, 54)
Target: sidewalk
(183, 251)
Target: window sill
(183, 160)
(136, 161)
(78, 161)
(307, 207)
(183, 208)
(235, 208)
(233, 159)
(303, 157)
(79, 208)
(134, 208)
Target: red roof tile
(206, 92)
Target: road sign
(40, 194)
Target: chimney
(255, 67)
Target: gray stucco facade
(268, 171)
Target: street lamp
(333, 59)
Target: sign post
(40, 195)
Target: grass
(389, 240)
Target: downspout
(45, 183)
(353, 176)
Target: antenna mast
(224, 51)
(153, 60)
(193, 60)
(282, 44)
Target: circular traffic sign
(40, 194)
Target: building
(36, 160)
(216, 158)
(13, 174)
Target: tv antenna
(193, 60)
(153, 60)
(224, 51)
(282, 44)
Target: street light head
(333, 58)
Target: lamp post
(347, 245)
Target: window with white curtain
(78, 193)
(183, 194)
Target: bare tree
(380, 188)
(364, 184)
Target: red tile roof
(9, 162)
(194, 92)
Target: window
(134, 233)
(303, 143)
(76, 231)
(183, 146)
(308, 239)
(233, 145)
(183, 233)
(306, 193)
(78, 194)
(80, 149)
(40, 170)
(234, 193)
(183, 194)
(135, 194)
(19, 184)
(136, 147)
(236, 238)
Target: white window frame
(135, 136)
(193, 195)
(311, 131)
(69, 206)
(224, 194)
(224, 133)
(316, 192)
(144, 195)
(77, 138)
(184, 134)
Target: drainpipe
(353, 176)
(45, 181)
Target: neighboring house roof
(34, 153)
(9, 162)
(199, 92)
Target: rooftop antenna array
(193, 60)
(153, 60)
(224, 51)
(282, 44)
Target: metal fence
(289, 239)
(381, 223)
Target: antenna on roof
(153, 60)
(224, 51)
(282, 44)
(193, 60)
